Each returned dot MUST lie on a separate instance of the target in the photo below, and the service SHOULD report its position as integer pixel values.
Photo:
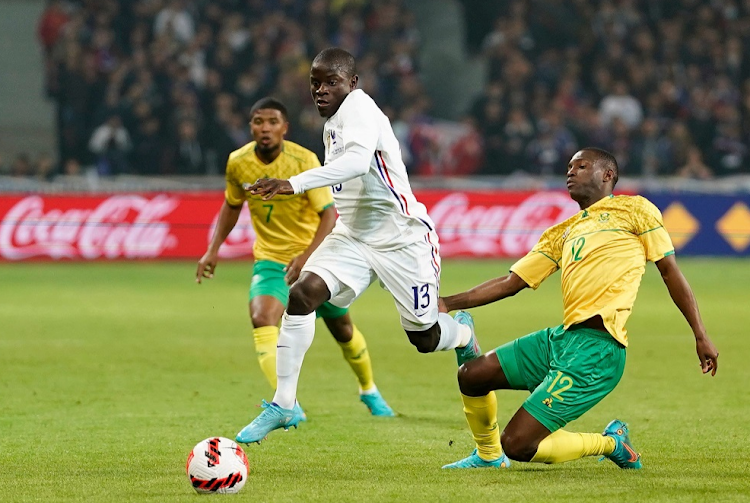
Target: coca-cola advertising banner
(469, 224)
(179, 225)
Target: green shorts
(268, 279)
(567, 371)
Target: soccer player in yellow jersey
(601, 252)
(288, 229)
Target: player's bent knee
(425, 342)
(473, 378)
(516, 448)
(306, 296)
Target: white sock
(452, 334)
(295, 337)
(370, 391)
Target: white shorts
(411, 274)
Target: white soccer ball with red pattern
(217, 465)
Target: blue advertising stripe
(708, 209)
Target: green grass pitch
(111, 372)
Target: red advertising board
(179, 224)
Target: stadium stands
(163, 86)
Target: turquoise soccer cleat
(471, 350)
(301, 413)
(624, 454)
(272, 418)
(377, 405)
(474, 461)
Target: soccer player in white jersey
(383, 233)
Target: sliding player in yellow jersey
(288, 229)
(601, 252)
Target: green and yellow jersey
(285, 225)
(602, 252)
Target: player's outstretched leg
(272, 418)
(624, 454)
(471, 350)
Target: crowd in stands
(664, 85)
(159, 87)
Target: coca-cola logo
(122, 226)
(498, 230)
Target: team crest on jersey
(334, 144)
(604, 217)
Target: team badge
(604, 217)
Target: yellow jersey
(602, 252)
(285, 225)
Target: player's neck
(585, 203)
(268, 157)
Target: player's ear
(353, 82)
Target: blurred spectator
(110, 143)
(21, 166)
(189, 155)
(695, 167)
(621, 105)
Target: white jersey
(378, 208)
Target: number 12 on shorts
(421, 296)
(565, 383)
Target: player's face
(268, 127)
(587, 179)
(329, 87)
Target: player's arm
(354, 163)
(228, 216)
(327, 221)
(683, 297)
(486, 293)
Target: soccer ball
(217, 465)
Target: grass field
(110, 373)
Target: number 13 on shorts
(421, 296)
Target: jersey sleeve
(542, 260)
(320, 198)
(649, 227)
(233, 194)
(360, 125)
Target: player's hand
(708, 355)
(270, 187)
(442, 308)
(294, 268)
(206, 266)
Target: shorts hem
(552, 424)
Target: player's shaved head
(338, 60)
(607, 159)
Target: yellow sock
(481, 414)
(563, 446)
(356, 354)
(265, 349)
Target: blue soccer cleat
(624, 454)
(377, 404)
(471, 351)
(474, 461)
(301, 413)
(272, 418)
